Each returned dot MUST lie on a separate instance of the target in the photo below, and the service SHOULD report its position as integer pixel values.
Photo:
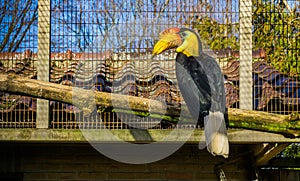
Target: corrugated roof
(273, 91)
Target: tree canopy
(275, 29)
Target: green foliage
(275, 29)
(217, 36)
(292, 151)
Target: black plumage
(201, 84)
(190, 76)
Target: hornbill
(201, 84)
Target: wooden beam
(43, 63)
(246, 82)
(266, 151)
(288, 163)
(132, 135)
(243, 136)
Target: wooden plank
(285, 163)
(253, 137)
(245, 87)
(147, 136)
(43, 63)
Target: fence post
(246, 81)
(43, 63)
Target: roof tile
(134, 74)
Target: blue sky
(22, 21)
(120, 25)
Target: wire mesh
(18, 47)
(106, 46)
(276, 79)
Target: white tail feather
(216, 134)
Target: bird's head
(185, 41)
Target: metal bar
(246, 82)
(43, 63)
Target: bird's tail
(216, 134)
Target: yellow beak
(168, 39)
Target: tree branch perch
(288, 125)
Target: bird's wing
(202, 86)
(216, 82)
(214, 123)
(193, 85)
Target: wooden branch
(266, 151)
(287, 125)
(82, 98)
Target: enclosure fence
(106, 45)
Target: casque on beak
(168, 39)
